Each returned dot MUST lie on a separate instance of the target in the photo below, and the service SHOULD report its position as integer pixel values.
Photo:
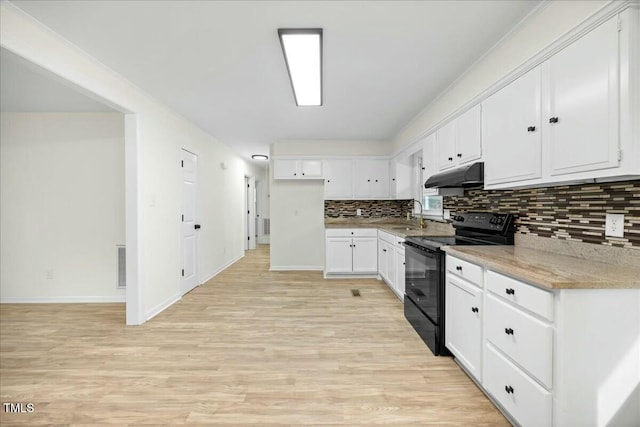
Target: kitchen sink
(405, 228)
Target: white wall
(62, 206)
(297, 206)
(330, 148)
(546, 24)
(161, 133)
(297, 225)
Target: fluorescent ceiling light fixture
(302, 49)
(260, 157)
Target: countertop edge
(522, 274)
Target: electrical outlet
(49, 275)
(358, 212)
(614, 225)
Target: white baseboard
(63, 300)
(263, 240)
(296, 268)
(221, 269)
(162, 306)
(350, 276)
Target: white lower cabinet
(351, 251)
(400, 279)
(391, 262)
(463, 323)
(525, 400)
(561, 357)
(528, 341)
(387, 262)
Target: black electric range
(425, 270)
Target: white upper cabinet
(446, 145)
(338, 183)
(297, 169)
(401, 178)
(573, 117)
(311, 168)
(583, 103)
(460, 140)
(469, 135)
(511, 131)
(285, 168)
(371, 179)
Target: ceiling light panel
(303, 55)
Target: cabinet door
(469, 135)
(463, 324)
(363, 171)
(338, 183)
(446, 145)
(400, 264)
(365, 255)
(380, 182)
(311, 168)
(583, 103)
(525, 400)
(388, 270)
(371, 179)
(338, 255)
(429, 157)
(511, 131)
(393, 178)
(285, 168)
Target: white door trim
(189, 282)
(133, 227)
(250, 212)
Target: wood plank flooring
(250, 347)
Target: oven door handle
(413, 246)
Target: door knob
(197, 226)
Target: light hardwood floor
(250, 347)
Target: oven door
(424, 285)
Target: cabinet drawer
(351, 232)
(527, 402)
(387, 237)
(522, 294)
(465, 269)
(527, 340)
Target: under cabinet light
(302, 50)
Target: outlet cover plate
(614, 225)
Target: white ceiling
(25, 87)
(219, 63)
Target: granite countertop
(549, 269)
(399, 227)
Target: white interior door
(250, 205)
(190, 224)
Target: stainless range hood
(464, 176)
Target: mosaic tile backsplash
(573, 212)
(370, 208)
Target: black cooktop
(473, 228)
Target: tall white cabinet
(583, 102)
(574, 116)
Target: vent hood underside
(464, 176)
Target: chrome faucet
(422, 224)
